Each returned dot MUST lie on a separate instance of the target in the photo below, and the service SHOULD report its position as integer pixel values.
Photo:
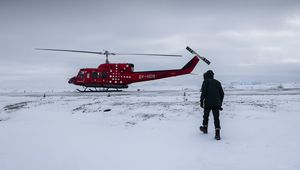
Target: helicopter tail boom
(153, 75)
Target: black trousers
(216, 114)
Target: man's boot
(217, 136)
(203, 129)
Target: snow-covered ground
(149, 130)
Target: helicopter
(119, 75)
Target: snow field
(148, 130)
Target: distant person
(212, 96)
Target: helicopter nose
(72, 80)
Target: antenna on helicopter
(106, 53)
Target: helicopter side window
(104, 75)
(94, 75)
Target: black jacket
(212, 94)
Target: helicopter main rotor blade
(106, 52)
(77, 51)
(168, 55)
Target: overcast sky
(252, 41)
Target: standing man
(212, 96)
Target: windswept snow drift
(149, 130)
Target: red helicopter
(119, 75)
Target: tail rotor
(201, 57)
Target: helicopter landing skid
(98, 90)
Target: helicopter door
(87, 77)
(95, 76)
(104, 75)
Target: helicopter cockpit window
(104, 75)
(81, 74)
(94, 75)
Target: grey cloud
(248, 37)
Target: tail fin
(189, 67)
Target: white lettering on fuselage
(147, 76)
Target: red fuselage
(120, 75)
